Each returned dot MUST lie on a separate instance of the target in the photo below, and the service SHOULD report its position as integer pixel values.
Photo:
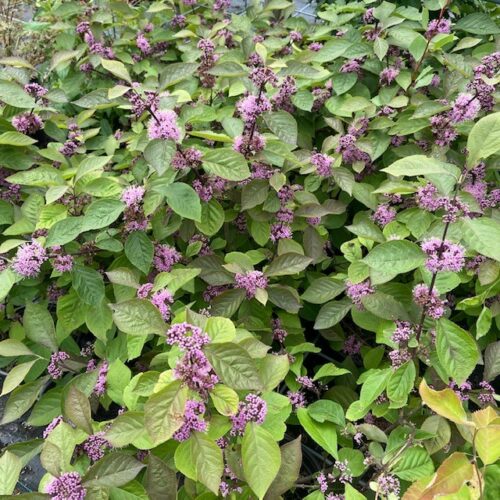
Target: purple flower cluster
(388, 484)
(95, 446)
(350, 152)
(465, 108)
(55, 422)
(35, 90)
(429, 301)
(402, 333)
(165, 257)
(248, 145)
(352, 345)
(208, 60)
(100, 386)
(213, 291)
(279, 333)
(189, 158)
(321, 95)
(27, 123)
(399, 357)
(132, 196)
(55, 368)
(193, 420)
(29, 259)
(162, 300)
(323, 164)
(315, 46)
(437, 26)
(163, 125)
(352, 66)
(70, 147)
(356, 291)
(443, 255)
(251, 281)
(283, 98)
(251, 107)
(142, 44)
(67, 486)
(388, 75)
(253, 409)
(188, 337)
(63, 263)
(384, 214)
(297, 399)
(368, 17)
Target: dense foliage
(250, 256)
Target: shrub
(246, 255)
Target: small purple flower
(35, 90)
(315, 46)
(193, 420)
(165, 257)
(486, 396)
(323, 164)
(437, 26)
(443, 256)
(67, 486)
(253, 409)
(251, 106)
(399, 357)
(142, 44)
(100, 386)
(188, 337)
(95, 446)
(178, 21)
(63, 263)
(368, 17)
(384, 214)
(356, 291)
(55, 422)
(297, 399)
(280, 231)
(163, 125)
(402, 333)
(162, 300)
(27, 123)
(427, 198)
(55, 368)
(247, 145)
(430, 301)
(29, 259)
(352, 345)
(196, 372)
(388, 75)
(144, 290)
(221, 5)
(465, 108)
(132, 196)
(352, 66)
(251, 281)
(388, 484)
(296, 36)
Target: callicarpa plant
(250, 256)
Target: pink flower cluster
(95, 446)
(163, 125)
(323, 164)
(356, 291)
(193, 420)
(67, 486)
(165, 257)
(55, 368)
(27, 123)
(29, 259)
(443, 255)
(429, 301)
(251, 281)
(253, 409)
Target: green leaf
(175, 73)
(183, 200)
(116, 68)
(254, 193)
(332, 313)
(88, 284)
(7, 280)
(15, 376)
(138, 317)
(415, 463)
(220, 329)
(64, 231)
(125, 429)
(422, 165)
(484, 139)
(384, 306)
(394, 257)
(10, 469)
(401, 383)
(139, 250)
(76, 408)
(13, 347)
(70, 313)
(261, 458)
(374, 385)
(115, 469)
(15, 139)
(478, 23)
(329, 370)
(160, 480)
(164, 411)
(234, 366)
(226, 163)
(283, 125)
(456, 349)
(21, 400)
(40, 177)
(287, 263)
(39, 326)
(200, 459)
(291, 462)
(159, 153)
(322, 290)
(440, 427)
(224, 399)
(212, 218)
(102, 213)
(492, 361)
(325, 410)
(227, 303)
(323, 433)
(482, 235)
(14, 95)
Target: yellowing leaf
(445, 403)
(487, 442)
